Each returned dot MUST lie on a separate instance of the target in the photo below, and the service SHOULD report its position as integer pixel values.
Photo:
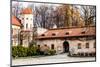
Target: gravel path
(50, 59)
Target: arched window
(26, 25)
(26, 18)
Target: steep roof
(26, 11)
(68, 32)
(15, 21)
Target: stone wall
(73, 45)
(15, 35)
(57, 44)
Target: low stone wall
(73, 45)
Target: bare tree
(88, 14)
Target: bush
(22, 51)
(19, 51)
(14, 52)
(52, 52)
(32, 51)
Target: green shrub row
(19, 51)
(50, 52)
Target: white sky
(25, 4)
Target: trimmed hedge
(32, 51)
(19, 51)
(52, 52)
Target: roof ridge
(69, 28)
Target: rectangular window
(87, 45)
(26, 18)
(26, 25)
(52, 46)
(79, 45)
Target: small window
(53, 34)
(42, 35)
(79, 45)
(67, 33)
(22, 18)
(83, 32)
(45, 45)
(38, 46)
(87, 45)
(26, 25)
(26, 18)
(52, 46)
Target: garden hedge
(19, 51)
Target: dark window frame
(87, 45)
(53, 34)
(43, 35)
(52, 46)
(67, 33)
(26, 25)
(45, 45)
(79, 46)
(83, 32)
(27, 18)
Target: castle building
(27, 19)
(16, 28)
(75, 40)
(27, 29)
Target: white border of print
(5, 32)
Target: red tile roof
(16, 21)
(26, 11)
(71, 32)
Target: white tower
(27, 19)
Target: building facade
(27, 29)
(16, 28)
(73, 40)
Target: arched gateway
(65, 46)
